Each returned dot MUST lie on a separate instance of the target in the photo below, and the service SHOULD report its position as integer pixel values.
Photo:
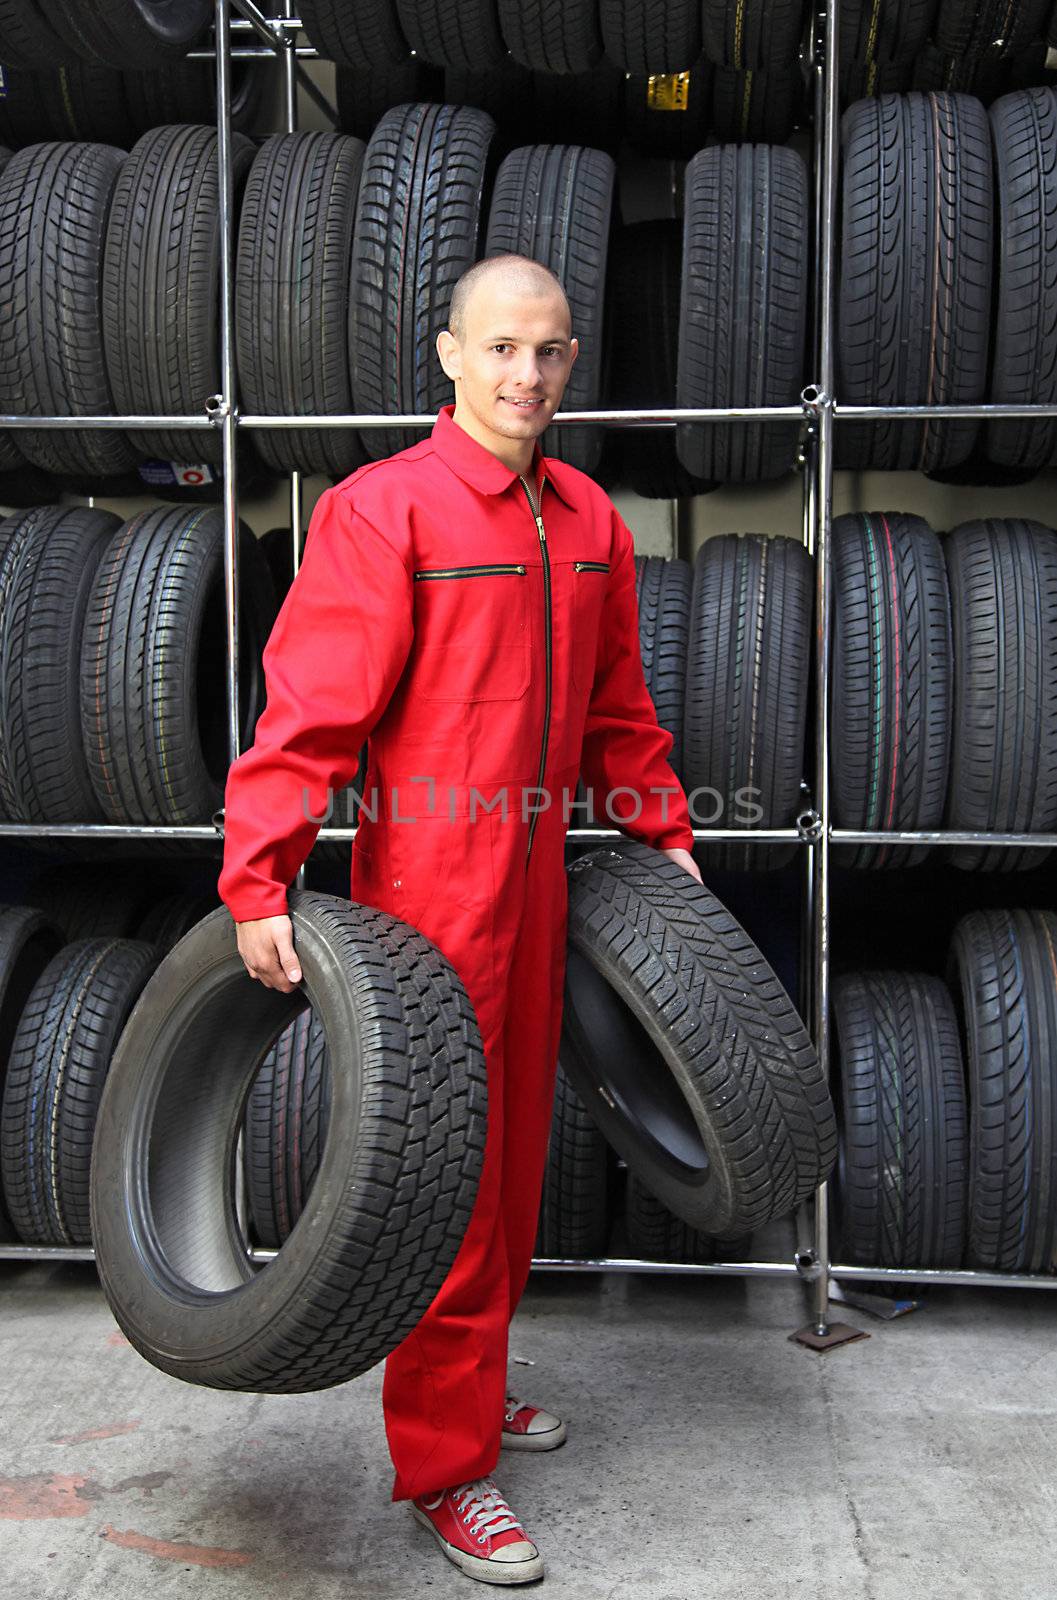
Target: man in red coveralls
(470, 605)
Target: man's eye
(500, 347)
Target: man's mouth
(521, 405)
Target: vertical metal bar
(227, 368)
(817, 79)
(290, 97)
(820, 851)
(227, 399)
(805, 996)
(289, 63)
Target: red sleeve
(623, 743)
(331, 663)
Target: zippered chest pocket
(589, 582)
(473, 632)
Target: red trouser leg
(530, 1057)
(445, 1383)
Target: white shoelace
(513, 1406)
(484, 1509)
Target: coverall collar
(478, 467)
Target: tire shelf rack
(818, 411)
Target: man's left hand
(685, 860)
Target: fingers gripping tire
(685, 1047)
(395, 1185)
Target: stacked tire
(112, 637)
(948, 1132)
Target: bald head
(508, 349)
(508, 273)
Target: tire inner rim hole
(616, 1051)
(188, 1177)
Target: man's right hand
(266, 945)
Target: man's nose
(528, 372)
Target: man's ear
(449, 353)
(574, 350)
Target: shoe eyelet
(480, 1538)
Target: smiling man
(468, 605)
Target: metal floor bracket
(837, 1333)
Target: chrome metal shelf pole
(826, 178)
(227, 397)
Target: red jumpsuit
(485, 653)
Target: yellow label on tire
(668, 91)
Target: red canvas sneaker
(477, 1530)
(526, 1427)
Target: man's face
(514, 360)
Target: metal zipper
(537, 517)
(466, 572)
(590, 566)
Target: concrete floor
(706, 1456)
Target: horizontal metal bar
(46, 1252)
(940, 836)
(139, 420)
(202, 830)
(627, 1264)
(279, 24)
(740, 1269)
(258, 52)
(377, 419)
(954, 1277)
(654, 416)
(627, 418)
(852, 413)
(695, 1269)
(109, 830)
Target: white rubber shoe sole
(478, 1567)
(550, 1440)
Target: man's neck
(516, 454)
